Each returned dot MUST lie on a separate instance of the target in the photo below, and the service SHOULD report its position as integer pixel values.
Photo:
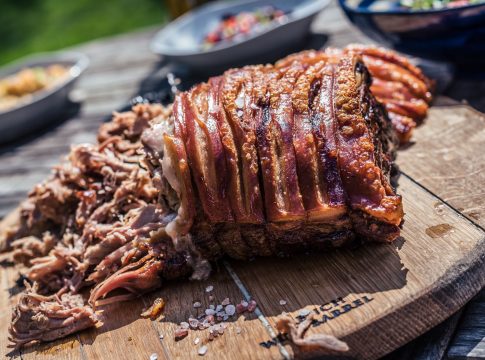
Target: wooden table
(122, 67)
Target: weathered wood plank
(124, 334)
(446, 157)
(469, 340)
(431, 345)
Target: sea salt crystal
(181, 333)
(240, 113)
(209, 319)
(225, 317)
(304, 312)
(218, 308)
(282, 302)
(254, 106)
(196, 341)
(197, 305)
(202, 350)
(212, 307)
(225, 302)
(154, 356)
(209, 288)
(240, 308)
(184, 325)
(194, 323)
(161, 336)
(230, 309)
(244, 303)
(209, 312)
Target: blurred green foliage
(28, 26)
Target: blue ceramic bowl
(456, 35)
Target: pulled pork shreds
(296, 333)
(91, 223)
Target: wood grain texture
(446, 157)
(469, 341)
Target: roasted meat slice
(399, 85)
(260, 161)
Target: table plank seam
(258, 312)
(166, 353)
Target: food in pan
(18, 88)
(234, 27)
(436, 4)
(264, 160)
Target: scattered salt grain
(212, 307)
(196, 341)
(209, 319)
(254, 106)
(304, 312)
(197, 305)
(154, 356)
(181, 333)
(238, 330)
(244, 303)
(252, 305)
(202, 350)
(184, 325)
(218, 308)
(240, 308)
(209, 312)
(194, 323)
(209, 288)
(225, 302)
(282, 302)
(161, 336)
(230, 309)
(240, 113)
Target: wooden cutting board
(375, 298)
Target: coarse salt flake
(225, 302)
(197, 305)
(209, 312)
(209, 288)
(196, 341)
(154, 356)
(282, 302)
(304, 312)
(230, 309)
(202, 350)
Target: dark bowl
(180, 41)
(455, 35)
(44, 106)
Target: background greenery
(28, 26)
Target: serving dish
(181, 40)
(43, 105)
(450, 34)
